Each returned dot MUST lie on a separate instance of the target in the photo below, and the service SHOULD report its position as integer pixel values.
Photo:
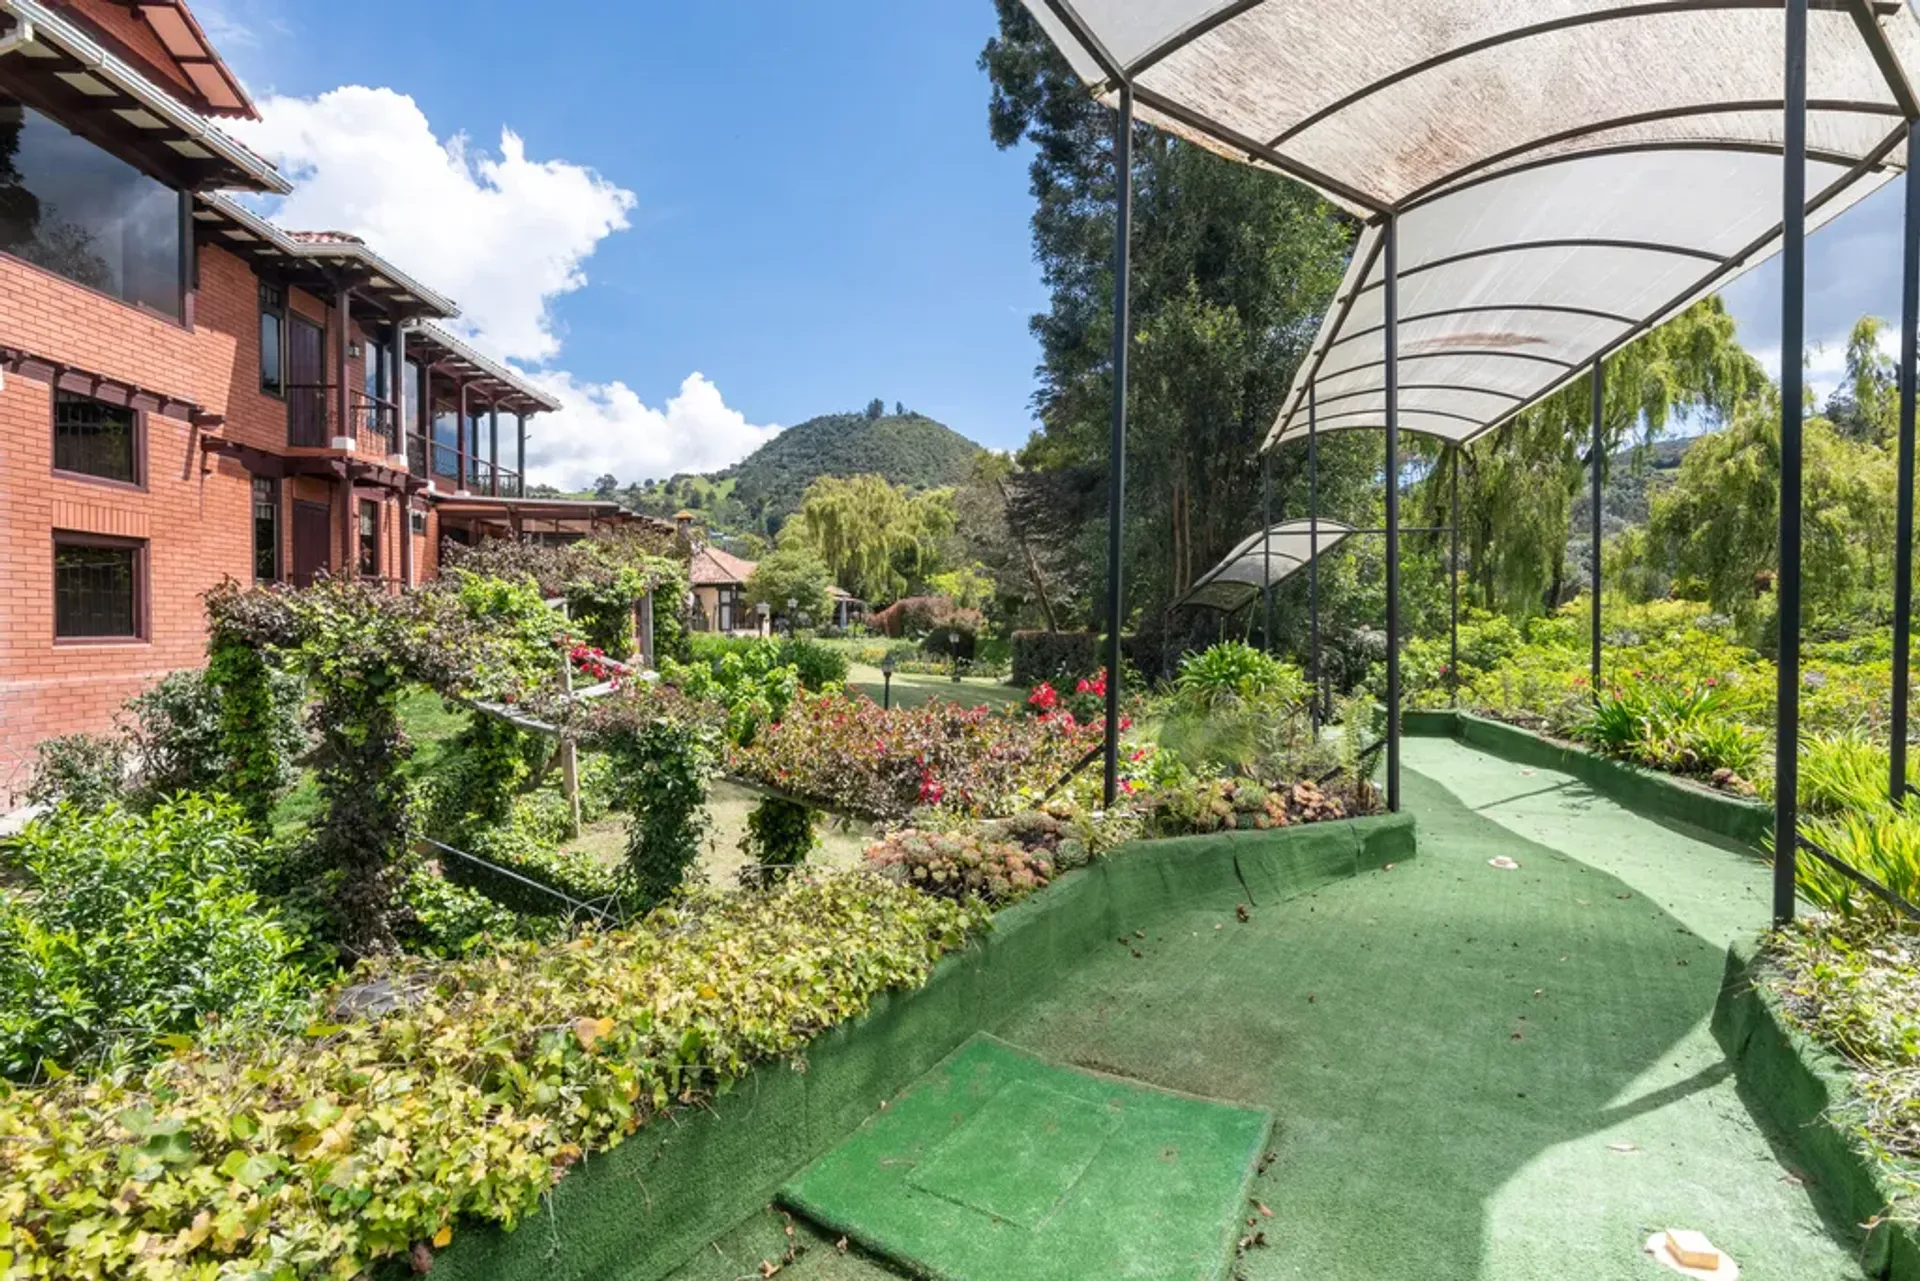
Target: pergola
(1540, 184)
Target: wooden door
(312, 541)
(306, 383)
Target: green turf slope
(1474, 1073)
(999, 1164)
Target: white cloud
(504, 236)
(606, 428)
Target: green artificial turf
(1000, 1164)
(1474, 1073)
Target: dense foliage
(317, 1155)
(876, 538)
(1053, 656)
(1856, 988)
(124, 931)
(780, 835)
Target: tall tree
(1231, 268)
(876, 538)
(1517, 484)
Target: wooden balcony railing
(373, 425)
(458, 470)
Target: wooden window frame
(279, 314)
(360, 537)
(279, 530)
(142, 586)
(139, 483)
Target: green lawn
(429, 722)
(912, 691)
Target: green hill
(761, 490)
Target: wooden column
(520, 460)
(460, 439)
(399, 384)
(646, 631)
(406, 540)
(343, 325)
(493, 448)
(348, 566)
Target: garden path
(1476, 1073)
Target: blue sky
(818, 215)
(700, 222)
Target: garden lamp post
(953, 648)
(793, 603)
(764, 609)
(886, 678)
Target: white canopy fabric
(1562, 174)
(1265, 556)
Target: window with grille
(369, 538)
(93, 438)
(97, 588)
(266, 530)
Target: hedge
(366, 1137)
(1054, 656)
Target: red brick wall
(194, 514)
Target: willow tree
(876, 538)
(1518, 484)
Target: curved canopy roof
(1265, 556)
(1562, 174)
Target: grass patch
(430, 723)
(1854, 986)
(913, 691)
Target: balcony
(372, 420)
(458, 470)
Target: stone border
(645, 1207)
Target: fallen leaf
(841, 1245)
(1240, 910)
(444, 1237)
(1502, 862)
(1623, 1149)
(591, 1030)
(1262, 1207)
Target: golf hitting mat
(998, 1164)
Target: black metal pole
(1117, 456)
(1453, 583)
(1313, 552)
(1903, 524)
(1266, 549)
(1392, 336)
(1596, 459)
(1793, 284)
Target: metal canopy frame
(1207, 70)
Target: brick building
(189, 393)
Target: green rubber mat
(998, 1164)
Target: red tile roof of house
(712, 567)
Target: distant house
(719, 583)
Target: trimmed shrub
(1058, 657)
(323, 1154)
(132, 928)
(915, 616)
(780, 835)
(87, 771)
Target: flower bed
(847, 754)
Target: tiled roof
(712, 567)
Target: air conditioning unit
(342, 443)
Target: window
(273, 330)
(369, 538)
(70, 208)
(98, 588)
(419, 522)
(93, 438)
(266, 530)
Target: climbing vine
(780, 835)
(664, 749)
